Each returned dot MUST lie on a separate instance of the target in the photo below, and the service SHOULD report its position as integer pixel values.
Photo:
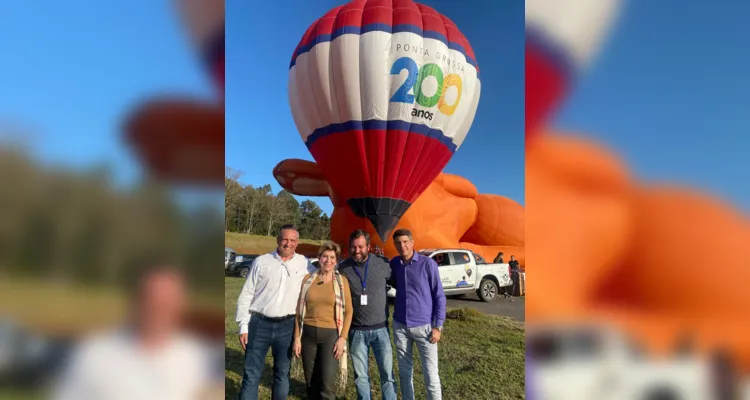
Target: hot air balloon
(178, 139)
(383, 93)
(562, 38)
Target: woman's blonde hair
(330, 246)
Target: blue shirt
(420, 299)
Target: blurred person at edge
(418, 288)
(151, 357)
(266, 310)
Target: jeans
(359, 347)
(261, 335)
(405, 339)
(321, 369)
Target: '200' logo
(416, 77)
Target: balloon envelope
(383, 93)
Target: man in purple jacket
(418, 315)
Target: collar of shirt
(361, 263)
(285, 264)
(416, 258)
(277, 256)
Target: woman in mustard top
(325, 312)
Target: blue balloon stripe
(562, 60)
(357, 30)
(376, 124)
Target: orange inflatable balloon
(658, 262)
(577, 228)
(449, 214)
(692, 244)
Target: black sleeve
(387, 314)
(391, 277)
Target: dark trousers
(321, 369)
(515, 288)
(262, 335)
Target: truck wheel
(244, 272)
(487, 290)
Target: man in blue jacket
(418, 314)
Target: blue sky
(260, 132)
(670, 92)
(72, 69)
(667, 95)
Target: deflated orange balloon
(658, 262)
(486, 231)
(297, 175)
(690, 255)
(686, 272)
(578, 223)
(490, 252)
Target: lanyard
(363, 280)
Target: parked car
(228, 257)
(29, 359)
(463, 271)
(242, 258)
(241, 265)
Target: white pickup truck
(593, 360)
(463, 271)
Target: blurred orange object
(579, 224)
(659, 262)
(449, 214)
(690, 255)
(178, 139)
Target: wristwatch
(439, 328)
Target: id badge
(363, 300)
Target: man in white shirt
(151, 358)
(265, 313)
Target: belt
(369, 327)
(273, 319)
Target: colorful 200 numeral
(414, 78)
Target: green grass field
(71, 309)
(254, 244)
(481, 357)
(6, 394)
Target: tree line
(258, 211)
(78, 226)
